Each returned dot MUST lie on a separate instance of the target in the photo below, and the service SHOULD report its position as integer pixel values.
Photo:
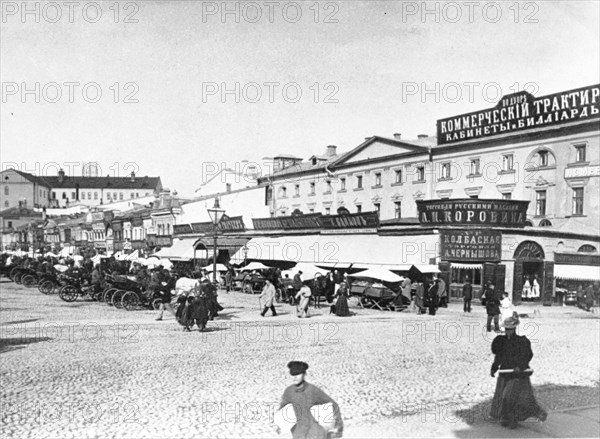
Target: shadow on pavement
(13, 344)
(563, 423)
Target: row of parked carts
(122, 292)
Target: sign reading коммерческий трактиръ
(521, 111)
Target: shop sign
(97, 216)
(179, 229)
(577, 259)
(521, 111)
(288, 222)
(235, 224)
(351, 221)
(583, 171)
(482, 245)
(473, 212)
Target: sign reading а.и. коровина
(521, 111)
(473, 212)
(471, 245)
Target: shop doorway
(531, 273)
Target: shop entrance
(533, 276)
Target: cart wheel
(68, 293)
(156, 303)
(17, 278)
(13, 273)
(28, 280)
(130, 301)
(107, 296)
(116, 298)
(46, 287)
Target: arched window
(545, 223)
(587, 248)
(343, 211)
(528, 223)
(282, 192)
(5, 190)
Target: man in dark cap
(302, 396)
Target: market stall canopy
(379, 274)
(133, 256)
(309, 271)
(254, 266)
(182, 249)
(220, 267)
(577, 272)
(427, 269)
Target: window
(397, 209)
(579, 153)
(545, 223)
(578, 201)
(329, 188)
(474, 197)
(311, 210)
(377, 208)
(6, 203)
(10, 224)
(64, 195)
(53, 195)
(398, 176)
(342, 184)
(168, 229)
(359, 208)
(132, 195)
(137, 195)
(586, 248)
(72, 195)
(445, 171)
(540, 203)
(359, 182)
(543, 158)
(378, 179)
(297, 190)
(83, 195)
(312, 188)
(507, 196)
(507, 162)
(5, 190)
(120, 195)
(328, 211)
(474, 167)
(227, 187)
(115, 196)
(95, 195)
(420, 173)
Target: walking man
(492, 306)
(302, 396)
(467, 295)
(268, 297)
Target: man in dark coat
(492, 306)
(432, 298)
(467, 291)
(302, 396)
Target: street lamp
(216, 215)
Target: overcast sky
(371, 63)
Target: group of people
(429, 296)
(531, 288)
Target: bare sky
(376, 59)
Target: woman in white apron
(526, 288)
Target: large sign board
(233, 224)
(480, 245)
(577, 259)
(522, 111)
(318, 221)
(473, 212)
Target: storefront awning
(467, 266)
(182, 249)
(577, 272)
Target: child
(506, 308)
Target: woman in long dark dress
(514, 400)
(341, 305)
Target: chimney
(422, 136)
(331, 150)
(61, 176)
(132, 177)
(397, 136)
(164, 197)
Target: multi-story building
(20, 189)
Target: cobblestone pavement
(85, 370)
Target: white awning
(577, 272)
(427, 269)
(182, 249)
(467, 266)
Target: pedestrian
(467, 291)
(303, 297)
(432, 298)
(340, 308)
(210, 293)
(165, 302)
(535, 288)
(228, 279)
(297, 282)
(267, 298)
(329, 288)
(506, 308)
(420, 298)
(526, 294)
(199, 310)
(303, 396)
(442, 292)
(406, 288)
(492, 306)
(184, 311)
(514, 400)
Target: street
(88, 370)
